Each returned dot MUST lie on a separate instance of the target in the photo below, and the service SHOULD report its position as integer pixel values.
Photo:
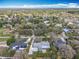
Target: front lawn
(3, 39)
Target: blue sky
(39, 3)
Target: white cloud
(73, 5)
(59, 5)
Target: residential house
(47, 22)
(75, 30)
(75, 42)
(19, 45)
(40, 46)
(58, 25)
(60, 42)
(66, 30)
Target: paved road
(30, 49)
(4, 36)
(6, 57)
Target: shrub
(10, 41)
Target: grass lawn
(4, 35)
(1, 32)
(3, 39)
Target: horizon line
(58, 5)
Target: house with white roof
(40, 46)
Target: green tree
(10, 41)
(77, 56)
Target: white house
(40, 46)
